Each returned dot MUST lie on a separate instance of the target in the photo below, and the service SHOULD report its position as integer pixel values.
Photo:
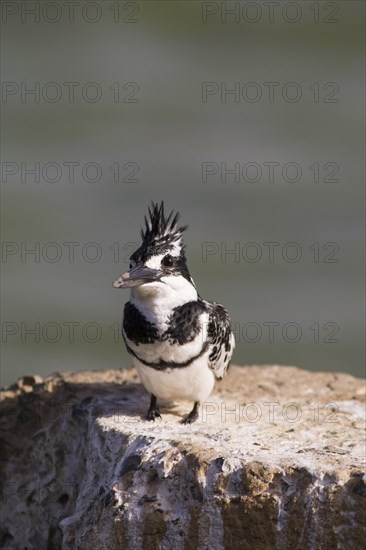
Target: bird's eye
(167, 261)
(131, 266)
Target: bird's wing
(221, 339)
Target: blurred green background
(160, 131)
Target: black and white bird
(179, 342)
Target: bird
(179, 342)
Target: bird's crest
(161, 229)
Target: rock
(276, 460)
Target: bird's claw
(151, 415)
(189, 419)
(192, 416)
(186, 420)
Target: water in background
(278, 240)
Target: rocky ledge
(276, 460)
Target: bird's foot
(152, 414)
(153, 411)
(192, 416)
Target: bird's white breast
(156, 302)
(192, 383)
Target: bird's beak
(137, 276)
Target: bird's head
(159, 265)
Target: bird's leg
(153, 411)
(193, 415)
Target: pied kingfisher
(179, 342)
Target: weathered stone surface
(276, 460)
